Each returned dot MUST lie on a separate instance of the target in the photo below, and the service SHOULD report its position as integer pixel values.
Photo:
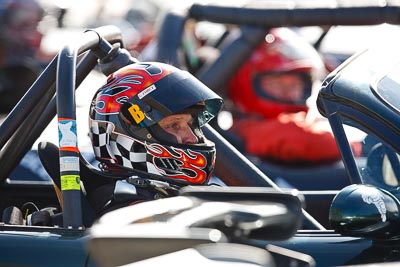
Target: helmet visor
(283, 87)
(170, 95)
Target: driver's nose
(187, 136)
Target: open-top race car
(248, 220)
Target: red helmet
(283, 52)
(124, 129)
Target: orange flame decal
(192, 161)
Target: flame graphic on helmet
(192, 161)
(116, 92)
(125, 84)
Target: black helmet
(365, 210)
(124, 123)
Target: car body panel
(38, 246)
(326, 248)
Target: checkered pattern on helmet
(100, 136)
(123, 148)
(108, 144)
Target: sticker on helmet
(136, 113)
(146, 91)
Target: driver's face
(179, 126)
(285, 86)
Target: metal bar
(216, 74)
(297, 15)
(345, 151)
(170, 38)
(234, 168)
(23, 139)
(29, 102)
(68, 142)
(68, 139)
(16, 129)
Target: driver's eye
(174, 126)
(176, 123)
(180, 125)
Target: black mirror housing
(365, 211)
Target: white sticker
(147, 91)
(374, 197)
(69, 164)
(67, 133)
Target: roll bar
(299, 14)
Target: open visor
(169, 95)
(266, 85)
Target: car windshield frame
(388, 87)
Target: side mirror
(365, 211)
